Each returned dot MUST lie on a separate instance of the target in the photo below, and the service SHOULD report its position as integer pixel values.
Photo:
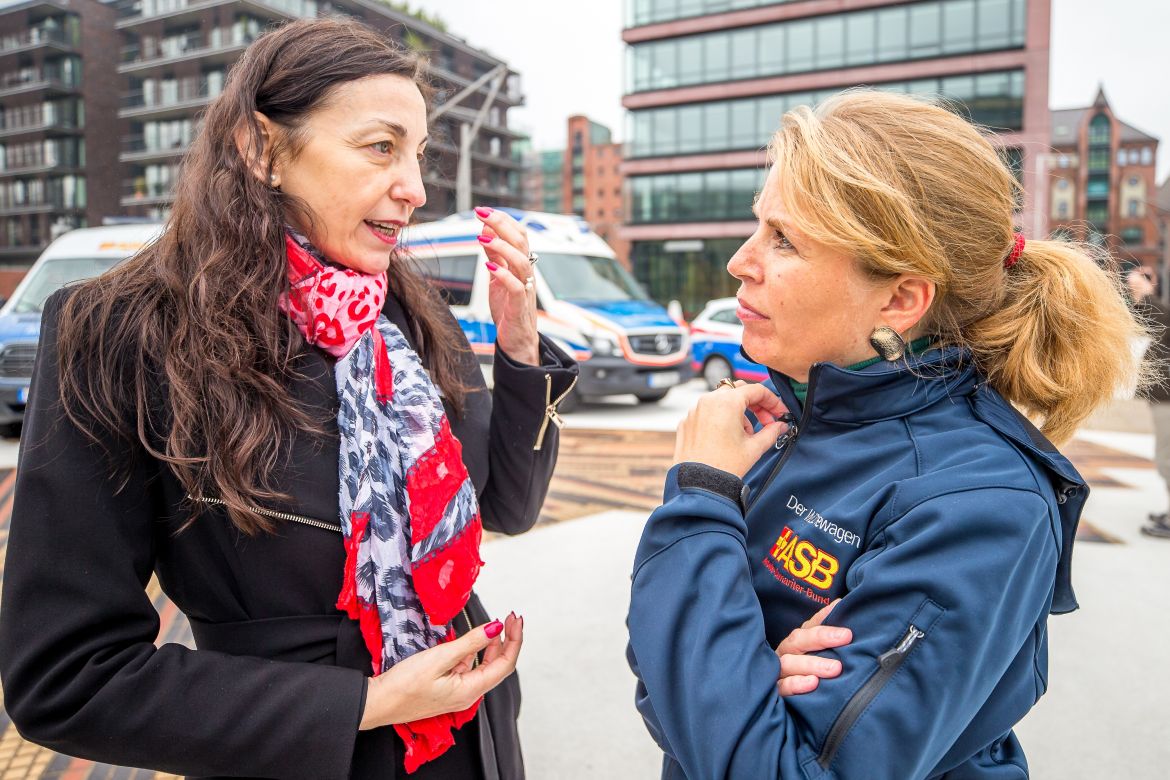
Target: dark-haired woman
(271, 412)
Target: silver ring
(533, 257)
(725, 382)
(528, 283)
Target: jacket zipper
(888, 663)
(787, 440)
(550, 410)
(270, 513)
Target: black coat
(277, 686)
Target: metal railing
(170, 94)
(35, 36)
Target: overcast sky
(571, 58)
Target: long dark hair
(197, 311)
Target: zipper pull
(891, 657)
(790, 434)
(550, 410)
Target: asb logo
(804, 560)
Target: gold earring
(887, 343)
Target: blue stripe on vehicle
(441, 240)
(485, 333)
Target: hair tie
(1017, 250)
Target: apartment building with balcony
(175, 56)
(708, 81)
(55, 175)
(1102, 185)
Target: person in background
(1143, 292)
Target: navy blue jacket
(942, 519)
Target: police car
(716, 335)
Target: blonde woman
(901, 318)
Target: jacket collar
(884, 390)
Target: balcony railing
(149, 9)
(9, 207)
(187, 46)
(29, 78)
(53, 123)
(172, 94)
(35, 36)
(140, 145)
(147, 193)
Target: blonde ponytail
(909, 187)
(1062, 343)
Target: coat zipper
(315, 524)
(787, 439)
(550, 410)
(270, 513)
(888, 663)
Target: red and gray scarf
(408, 508)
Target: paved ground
(1104, 715)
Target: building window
(1099, 159)
(1062, 210)
(1133, 207)
(866, 37)
(1100, 131)
(689, 197)
(993, 99)
(1147, 155)
(1133, 235)
(692, 272)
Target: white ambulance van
(587, 302)
(78, 254)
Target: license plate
(662, 379)
(22, 395)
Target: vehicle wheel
(715, 370)
(569, 402)
(652, 398)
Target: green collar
(917, 346)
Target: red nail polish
(492, 266)
(493, 629)
(483, 211)
(484, 239)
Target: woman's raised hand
(511, 290)
(800, 671)
(717, 433)
(444, 678)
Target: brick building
(1102, 185)
(57, 111)
(593, 181)
(707, 87)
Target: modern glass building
(707, 82)
(175, 55)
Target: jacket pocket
(889, 663)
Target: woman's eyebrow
(393, 128)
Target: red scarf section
(334, 308)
